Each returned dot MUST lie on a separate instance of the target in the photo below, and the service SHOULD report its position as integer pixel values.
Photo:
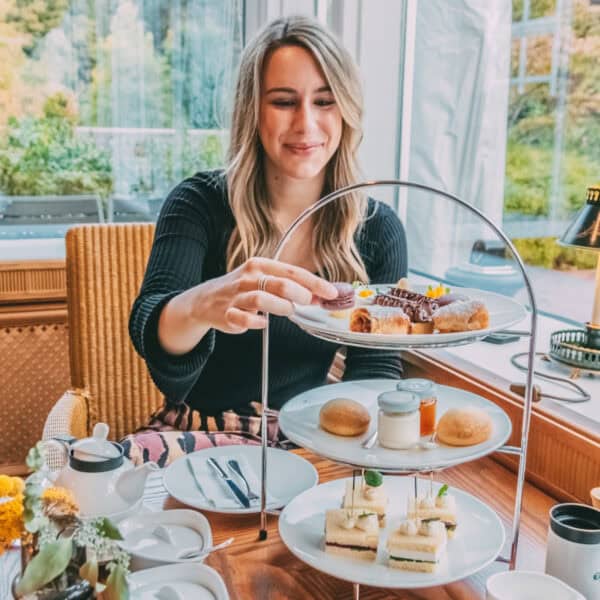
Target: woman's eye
(324, 102)
(284, 103)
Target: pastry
(463, 315)
(450, 298)
(418, 308)
(441, 507)
(379, 320)
(421, 327)
(342, 416)
(365, 296)
(351, 533)
(417, 546)
(366, 498)
(464, 427)
(340, 306)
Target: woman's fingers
(264, 302)
(314, 284)
(240, 320)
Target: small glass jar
(398, 421)
(427, 392)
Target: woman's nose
(305, 117)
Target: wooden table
(267, 570)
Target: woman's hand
(232, 303)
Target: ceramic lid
(423, 387)
(398, 402)
(96, 448)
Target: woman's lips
(302, 149)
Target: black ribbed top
(223, 371)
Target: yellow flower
(11, 521)
(10, 486)
(59, 501)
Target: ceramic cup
(573, 548)
(528, 585)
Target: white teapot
(103, 481)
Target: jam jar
(398, 419)
(427, 392)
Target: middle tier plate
(299, 421)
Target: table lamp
(582, 347)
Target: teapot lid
(97, 449)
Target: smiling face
(300, 124)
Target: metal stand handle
(520, 451)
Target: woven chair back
(105, 268)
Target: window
(104, 107)
(553, 144)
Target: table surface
(267, 570)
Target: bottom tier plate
(478, 540)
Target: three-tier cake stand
(435, 341)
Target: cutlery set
(236, 492)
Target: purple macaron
(345, 298)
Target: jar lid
(398, 402)
(417, 386)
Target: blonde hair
(255, 234)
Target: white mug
(528, 585)
(573, 549)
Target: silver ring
(262, 283)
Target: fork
(234, 466)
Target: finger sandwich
(440, 507)
(417, 546)
(366, 498)
(351, 533)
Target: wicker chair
(105, 266)
(110, 382)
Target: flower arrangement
(69, 557)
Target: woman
(294, 137)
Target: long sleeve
(186, 228)
(385, 247)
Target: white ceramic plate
(299, 421)
(280, 484)
(504, 313)
(190, 581)
(188, 529)
(478, 540)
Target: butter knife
(237, 492)
(190, 466)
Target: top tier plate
(504, 313)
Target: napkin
(216, 488)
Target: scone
(464, 427)
(440, 507)
(343, 416)
(417, 546)
(351, 533)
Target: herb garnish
(442, 491)
(373, 478)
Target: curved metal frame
(519, 451)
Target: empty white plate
(287, 476)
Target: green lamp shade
(584, 231)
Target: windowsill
(32, 249)
(490, 364)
